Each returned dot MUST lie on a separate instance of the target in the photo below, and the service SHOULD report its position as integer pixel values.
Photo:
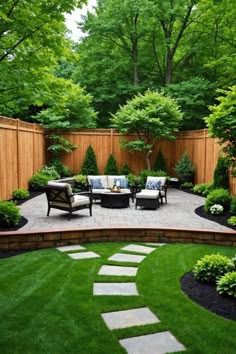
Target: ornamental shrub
(218, 196)
(211, 267)
(50, 171)
(227, 284)
(20, 194)
(232, 221)
(160, 164)
(185, 169)
(89, 166)
(216, 209)
(125, 170)
(233, 205)
(203, 188)
(187, 185)
(111, 166)
(9, 214)
(221, 174)
(38, 181)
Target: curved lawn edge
(33, 240)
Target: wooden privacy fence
(23, 152)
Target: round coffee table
(115, 200)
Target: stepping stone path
(157, 343)
(117, 270)
(79, 255)
(129, 318)
(124, 257)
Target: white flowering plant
(216, 209)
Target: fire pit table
(115, 199)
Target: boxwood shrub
(218, 196)
(211, 267)
(9, 214)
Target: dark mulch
(205, 295)
(220, 219)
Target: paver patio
(177, 213)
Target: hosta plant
(232, 220)
(227, 284)
(211, 267)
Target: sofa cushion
(111, 180)
(78, 201)
(98, 182)
(122, 182)
(147, 194)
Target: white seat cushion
(78, 200)
(148, 194)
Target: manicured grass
(47, 306)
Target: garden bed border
(34, 240)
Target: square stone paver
(70, 248)
(158, 343)
(155, 244)
(129, 318)
(125, 289)
(117, 270)
(123, 257)
(138, 248)
(83, 255)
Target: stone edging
(39, 239)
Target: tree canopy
(222, 124)
(151, 116)
(32, 41)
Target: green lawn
(47, 306)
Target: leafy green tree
(151, 116)
(32, 38)
(89, 166)
(193, 96)
(111, 166)
(160, 163)
(222, 124)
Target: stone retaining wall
(34, 240)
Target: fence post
(112, 140)
(204, 155)
(18, 152)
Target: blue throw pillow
(123, 182)
(153, 185)
(96, 183)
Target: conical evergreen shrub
(125, 170)
(160, 164)
(185, 169)
(89, 166)
(111, 166)
(221, 174)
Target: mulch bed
(220, 219)
(205, 295)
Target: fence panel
(22, 153)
